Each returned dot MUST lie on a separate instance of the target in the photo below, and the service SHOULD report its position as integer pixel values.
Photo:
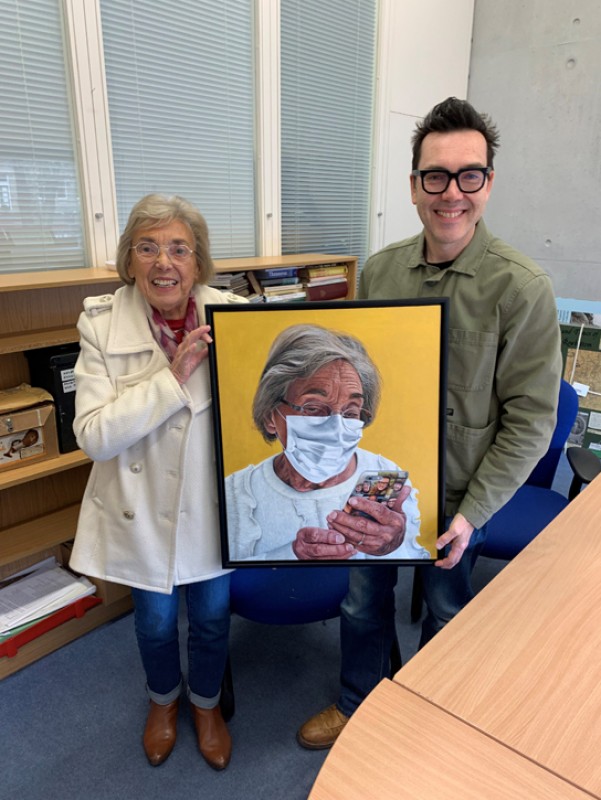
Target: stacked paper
(48, 588)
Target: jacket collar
(129, 331)
(467, 262)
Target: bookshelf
(39, 503)
(302, 260)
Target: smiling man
(503, 384)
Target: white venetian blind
(327, 79)
(180, 89)
(40, 217)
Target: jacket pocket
(472, 360)
(466, 447)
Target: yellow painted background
(404, 343)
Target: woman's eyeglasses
(316, 409)
(150, 250)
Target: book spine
(277, 272)
(327, 291)
(285, 298)
(278, 281)
(320, 272)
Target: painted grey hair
(156, 211)
(298, 352)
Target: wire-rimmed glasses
(150, 250)
(314, 408)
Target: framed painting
(329, 431)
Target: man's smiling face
(450, 218)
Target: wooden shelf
(251, 264)
(274, 262)
(16, 343)
(38, 534)
(56, 278)
(31, 472)
(65, 633)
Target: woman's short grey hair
(298, 352)
(156, 211)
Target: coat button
(136, 467)
(129, 514)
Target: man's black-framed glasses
(315, 408)
(436, 181)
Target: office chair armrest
(585, 466)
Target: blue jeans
(367, 624)
(156, 624)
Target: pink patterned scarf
(165, 336)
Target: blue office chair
(289, 596)
(535, 504)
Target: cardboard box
(581, 350)
(27, 426)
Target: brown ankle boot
(160, 731)
(214, 741)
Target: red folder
(10, 647)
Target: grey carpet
(72, 722)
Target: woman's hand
(378, 536)
(190, 353)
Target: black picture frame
(406, 340)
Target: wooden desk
(522, 662)
(398, 745)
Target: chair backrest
(288, 595)
(567, 409)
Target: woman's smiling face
(165, 283)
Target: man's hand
(458, 536)
(374, 537)
(319, 544)
(190, 353)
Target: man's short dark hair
(455, 115)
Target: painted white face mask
(319, 448)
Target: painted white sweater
(264, 514)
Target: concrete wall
(423, 57)
(536, 69)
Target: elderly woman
(318, 390)
(149, 517)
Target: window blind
(40, 216)
(327, 79)
(180, 90)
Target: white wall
(536, 69)
(423, 58)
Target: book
(327, 291)
(279, 281)
(321, 281)
(276, 272)
(255, 298)
(228, 280)
(323, 271)
(285, 297)
(281, 287)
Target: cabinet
(39, 502)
